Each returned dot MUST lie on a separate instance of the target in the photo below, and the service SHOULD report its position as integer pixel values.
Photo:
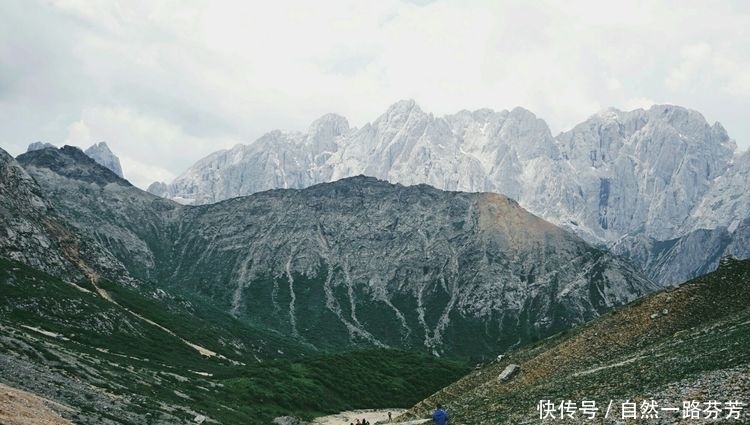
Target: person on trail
(440, 417)
(389, 416)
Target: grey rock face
(34, 233)
(288, 420)
(427, 263)
(727, 202)
(678, 260)
(23, 212)
(40, 145)
(276, 160)
(642, 172)
(508, 372)
(106, 208)
(102, 155)
(355, 262)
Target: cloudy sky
(167, 82)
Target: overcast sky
(165, 83)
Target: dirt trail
(372, 415)
(18, 407)
(94, 277)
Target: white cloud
(141, 174)
(695, 65)
(141, 142)
(638, 103)
(78, 134)
(167, 82)
(613, 84)
(703, 67)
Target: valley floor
(350, 417)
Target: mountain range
(662, 187)
(118, 306)
(96, 273)
(358, 262)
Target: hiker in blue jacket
(440, 417)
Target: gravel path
(350, 417)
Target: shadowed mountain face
(355, 262)
(689, 343)
(33, 232)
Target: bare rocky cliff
(34, 233)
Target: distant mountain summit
(644, 176)
(99, 152)
(39, 145)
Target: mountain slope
(136, 353)
(132, 225)
(400, 266)
(359, 262)
(35, 234)
(105, 363)
(687, 343)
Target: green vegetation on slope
(65, 342)
(330, 383)
(687, 343)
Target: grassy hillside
(132, 362)
(688, 343)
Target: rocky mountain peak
(5, 157)
(71, 162)
(399, 113)
(522, 114)
(101, 153)
(322, 133)
(331, 125)
(40, 145)
(674, 114)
